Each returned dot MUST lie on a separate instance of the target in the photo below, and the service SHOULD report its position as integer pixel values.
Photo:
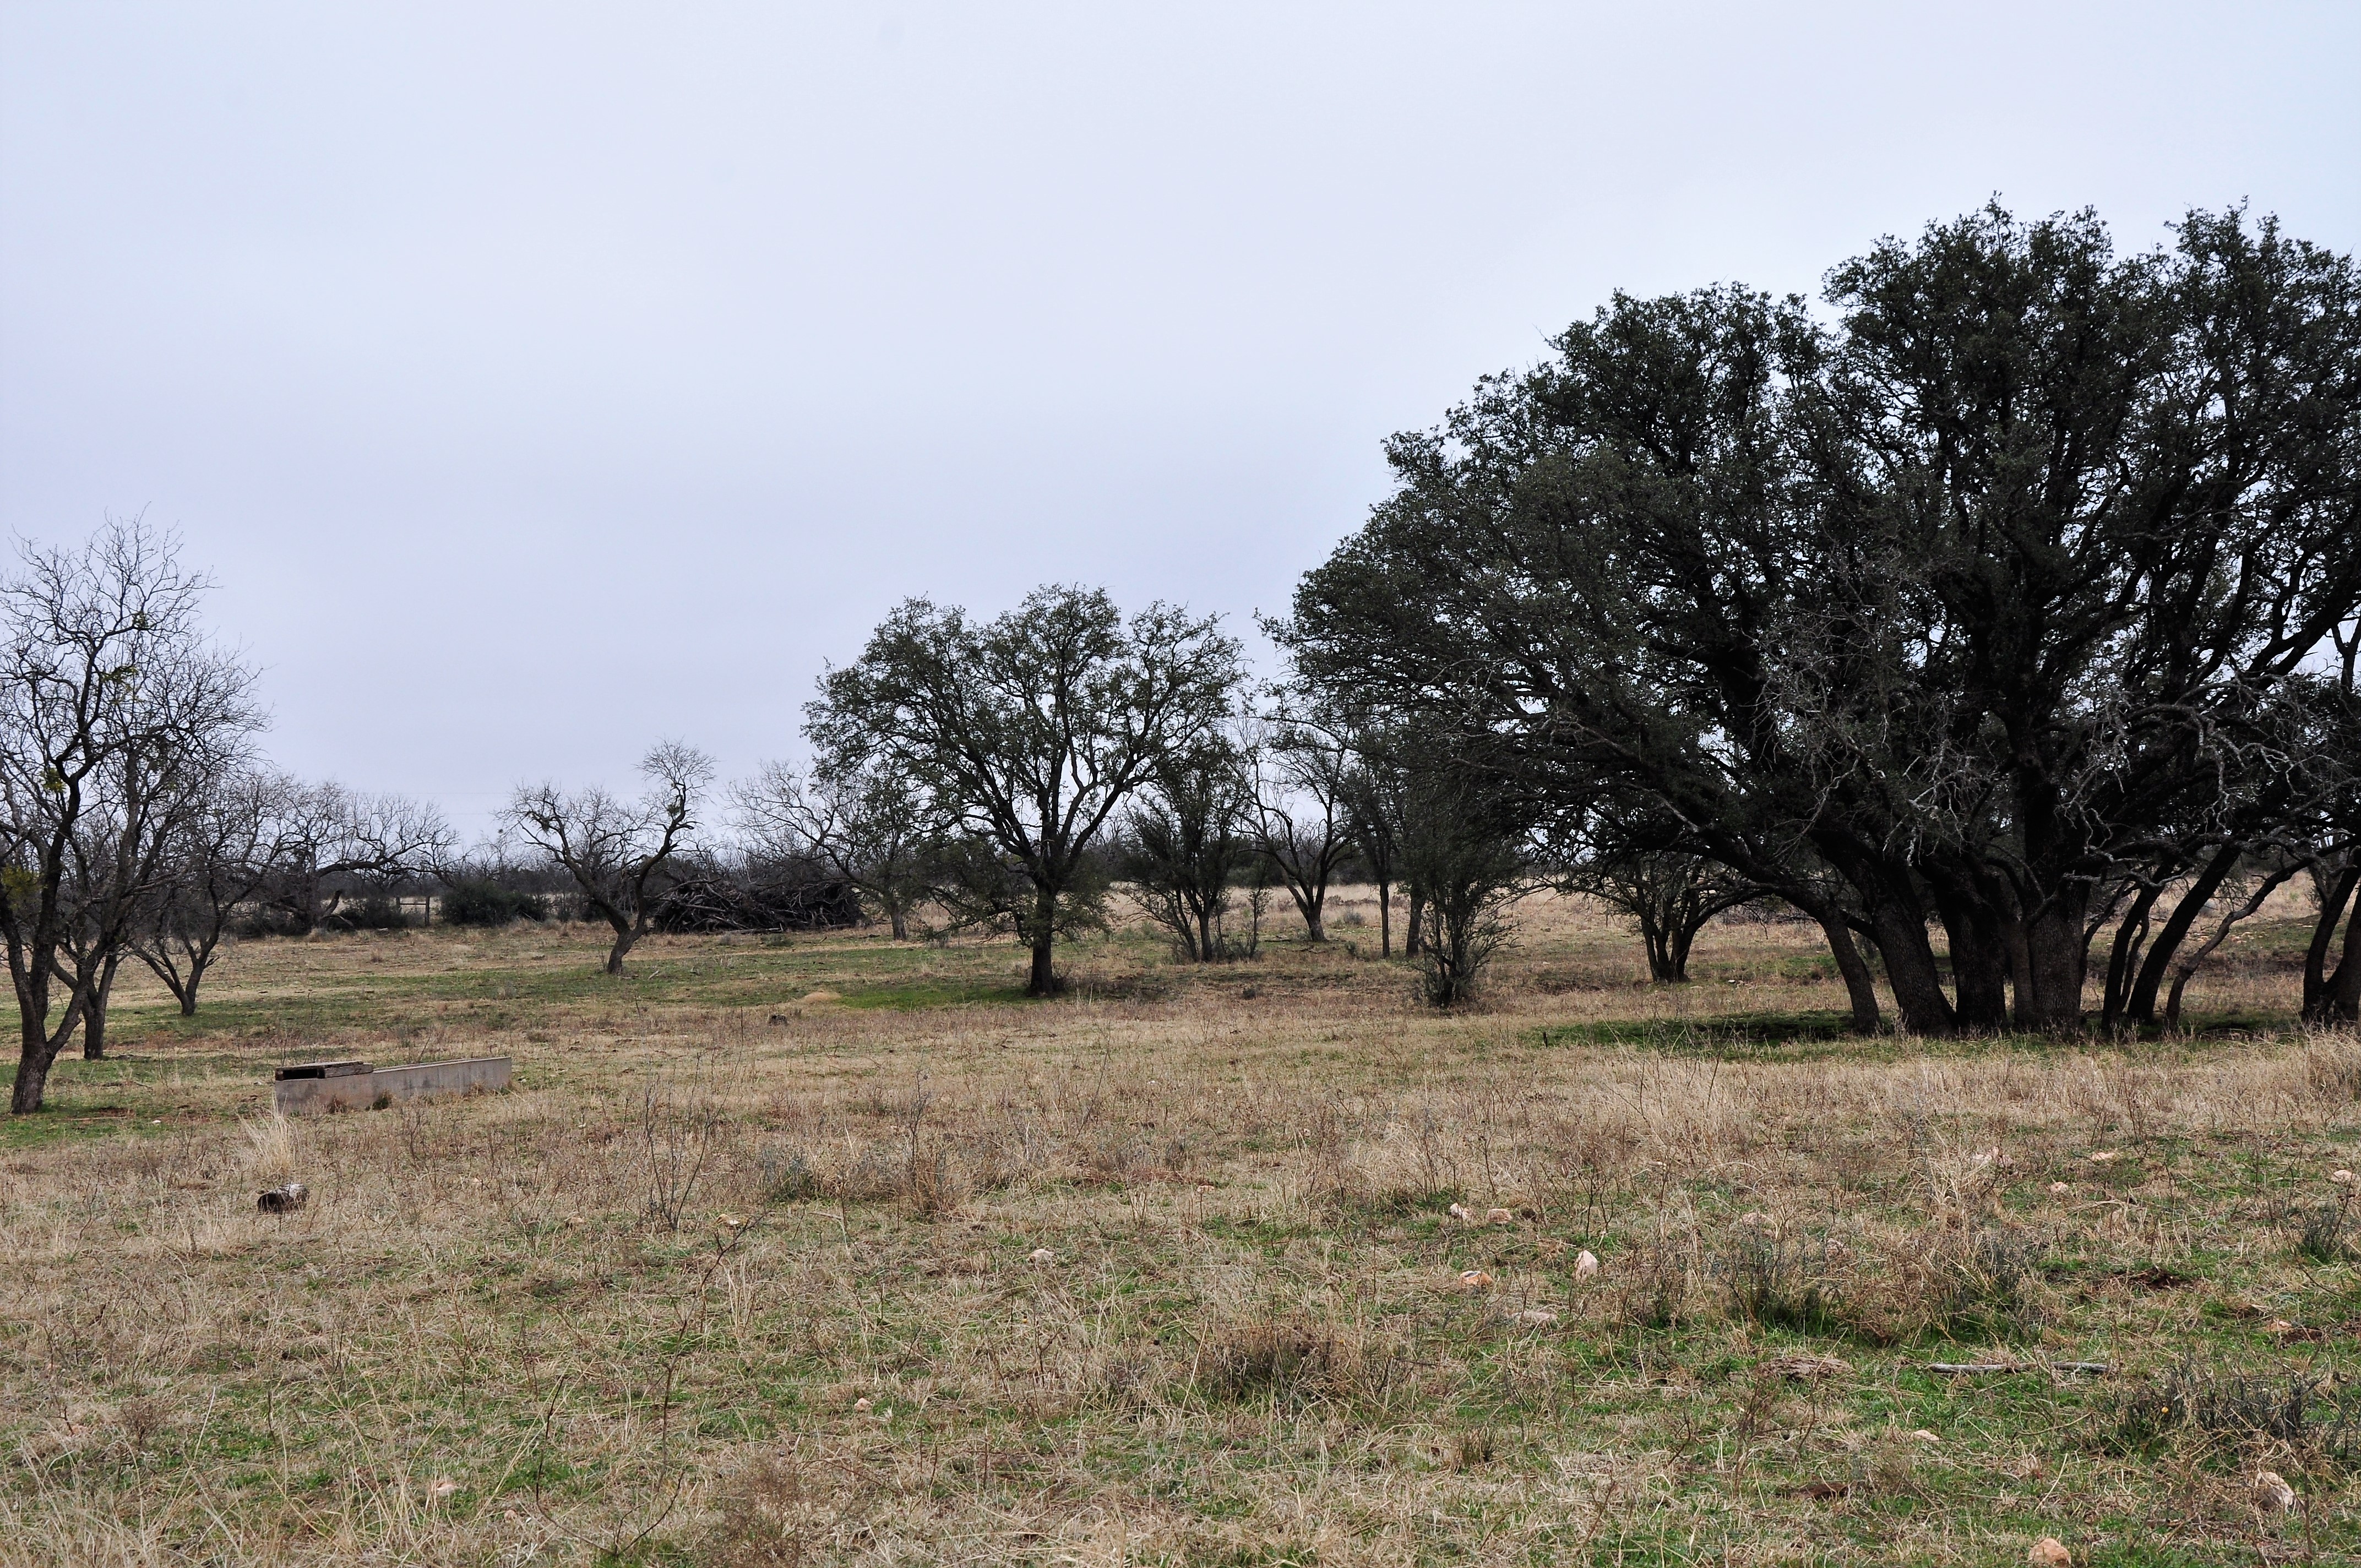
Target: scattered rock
(861, 1406)
(1043, 1255)
(1537, 1317)
(2057, 1190)
(444, 1486)
(2106, 1156)
(2343, 1178)
(284, 1200)
(732, 1222)
(1474, 1279)
(1923, 1435)
(2050, 1553)
(1501, 1216)
(1462, 1213)
(2272, 1494)
(1586, 1266)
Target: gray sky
(541, 381)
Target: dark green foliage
(483, 902)
(1957, 608)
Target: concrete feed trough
(314, 1086)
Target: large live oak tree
(1978, 596)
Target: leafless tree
(223, 854)
(118, 715)
(869, 824)
(1299, 811)
(330, 837)
(616, 850)
(1187, 838)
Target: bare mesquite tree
(872, 826)
(119, 716)
(223, 855)
(1373, 794)
(1189, 835)
(1028, 731)
(1300, 808)
(616, 850)
(328, 838)
(1635, 860)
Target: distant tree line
(2016, 593)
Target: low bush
(375, 913)
(479, 903)
(2295, 1410)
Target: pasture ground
(1168, 1271)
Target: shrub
(2327, 1234)
(2300, 1411)
(1777, 1282)
(481, 902)
(377, 912)
(1289, 1358)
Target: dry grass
(732, 1277)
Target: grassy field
(829, 1250)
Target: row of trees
(2018, 593)
(1009, 774)
(135, 818)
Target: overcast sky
(539, 382)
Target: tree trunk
(624, 938)
(93, 1016)
(2141, 1008)
(1413, 937)
(1385, 920)
(2054, 957)
(2334, 898)
(1910, 968)
(900, 919)
(1861, 986)
(32, 1077)
(1315, 930)
(37, 1048)
(1979, 979)
(1680, 939)
(1043, 980)
(1664, 966)
(2340, 1000)
(2130, 936)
